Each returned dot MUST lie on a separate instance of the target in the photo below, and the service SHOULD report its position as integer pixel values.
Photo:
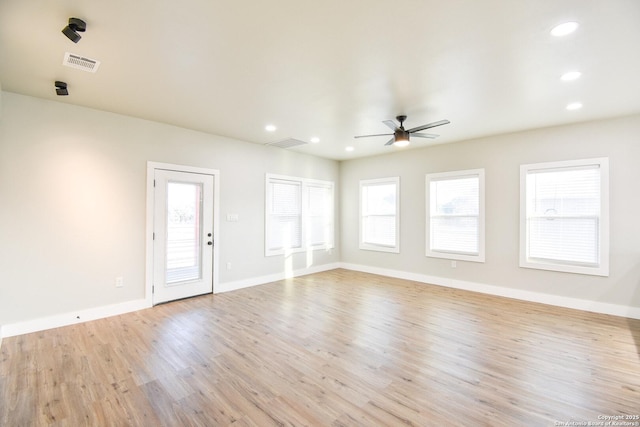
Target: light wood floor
(339, 348)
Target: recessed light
(270, 128)
(349, 148)
(315, 140)
(574, 106)
(564, 29)
(571, 75)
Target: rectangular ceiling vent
(80, 62)
(286, 143)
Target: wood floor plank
(338, 348)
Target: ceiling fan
(401, 136)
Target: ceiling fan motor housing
(401, 135)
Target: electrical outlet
(454, 264)
(229, 265)
(119, 282)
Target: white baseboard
(86, 315)
(71, 318)
(261, 280)
(556, 300)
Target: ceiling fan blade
(425, 135)
(430, 125)
(390, 124)
(391, 141)
(367, 136)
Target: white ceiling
(331, 68)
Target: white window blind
(379, 228)
(285, 215)
(299, 214)
(455, 215)
(320, 207)
(564, 206)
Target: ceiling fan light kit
(401, 137)
(401, 143)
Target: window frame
(374, 246)
(305, 214)
(452, 175)
(602, 268)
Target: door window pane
(184, 223)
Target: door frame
(151, 168)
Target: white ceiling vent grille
(286, 143)
(80, 62)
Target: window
(379, 207)
(299, 214)
(319, 214)
(455, 215)
(564, 216)
(284, 218)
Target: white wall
(72, 204)
(501, 156)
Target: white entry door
(183, 239)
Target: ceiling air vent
(286, 143)
(80, 62)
